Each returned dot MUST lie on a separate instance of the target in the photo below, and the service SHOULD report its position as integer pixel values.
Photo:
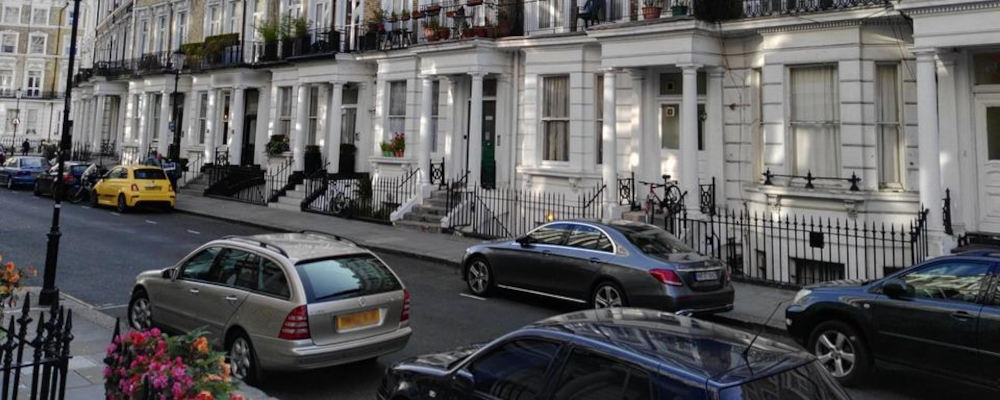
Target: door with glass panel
(988, 145)
(348, 129)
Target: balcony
(440, 23)
(83, 75)
(30, 94)
(117, 69)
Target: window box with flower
(651, 9)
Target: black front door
(489, 163)
(249, 140)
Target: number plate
(358, 320)
(706, 276)
(153, 187)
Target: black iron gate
(47, 358)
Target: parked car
(72, 170)
(619, 264)
(289, 301)
(617, 353)
(941, 316)
(21, 170)
(125, 187)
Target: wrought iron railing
(437, 174)
(81, 152)
(195, 162)
(506, 212)
(7, 93)
(153, 63)
(359, 196)
(43, 359)
(707, 197)
(626, 191)
(231, 182)
(809, 178)
(946, 213)
(117, 69)
(278, 179)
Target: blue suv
(615, 353)
(941, 316)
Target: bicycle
(340, 199)
(671, 201)
(83, 190)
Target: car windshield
(31, 162)
(346, 277)
(149, 174)
(78, 170)
(807, 382)
(654, 241)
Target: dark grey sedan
(618, 264)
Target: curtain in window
(887, 112)
(556, 118)
(815, 104)
(397, 108)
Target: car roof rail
(262, 243)
(337, 237)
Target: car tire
(479, 277)
(140, 311)
(94, 200)
(608, 294)
(242, 358)
(842, 350)
(122, 204)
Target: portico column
(143, 129)
(929, 140)
(609, 141)
(689, 138)
(715, 141)
(649, 144)
(333, 138)
(99, 131)
(476, 130)
(299, 132)
(424, 157)
(238, 113)
(210, 127)
(164, 128)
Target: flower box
(651, 12)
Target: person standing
(25, 147)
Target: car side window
(951, 281)
(272, 279)
(236, 268)
(550, 234)
(514, 371)
(199, 266)
(588, 376)
(588, 237)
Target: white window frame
(284, 111)
(160, 42)
(884, 183)
(312, 105)
(45, 43)
(64, 51)
(389, 116)
(202, 116)
(234, 17)
(4, 35)
(7, 82)
(154, 123)
(181, 21)
(435, 114)
(34, 19)
(792, 151)
(7, 12)
(33, 91)
(549, 14)
(545, 120)
(213, 20)
(143, 37)
(31, 121)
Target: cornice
(949, 8)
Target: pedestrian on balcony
(25, 147)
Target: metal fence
(359, 195)
(196, 160)
(507, 213)
(278, 179)
(44, 359)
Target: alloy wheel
(239, 358)
(140, 314)
(607, 296)
(122, 205)
(836, 353)
(479, 277)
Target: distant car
(619, 264)
(618, 353)
(21, 170)
(72, 170)
(125, 187)
(942, 316)
(279, 302)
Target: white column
(238, 111)
(476, 130)
(929, 140)
(263, 120)
(143, 129)
(689, 138)
(424, 157)
(99, 131)
(455, 149)
(366, 140)
(715, 142)
(649, 142)
(333, 123)
(164, 128)
(210, 124)
(299, 131)
(609, 141)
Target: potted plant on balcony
(444, 33)
(386, 149)
(679, 9)
(270, 31)
(376, 21)
(433, 9)
(467, 30)
(300, 33)
(651, 9)
(405, 14)
(417, 14)
(393, 18)
(431, 28)
(398, 144)
(503, 23)
(277, 145)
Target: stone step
(289, 201)
(430, 210)
(283, 206)
(419, 226)
(431, 219)
(295, 194)
(195, 187)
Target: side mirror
(897, 288)
(463, 381)
(167, 273)
(525, 241)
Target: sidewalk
(753, 303)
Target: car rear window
(78, 170)
(651, 240)
(807, 382)
(31, 162)
(346, 277)
(149, 174)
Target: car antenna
(760, 330)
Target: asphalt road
(102, 252)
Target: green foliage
(270, 30)
(277, 145)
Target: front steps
(292, 200)
(427, 217)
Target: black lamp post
(16, 120)
(50, 294)
(177, 62)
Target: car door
(170, 299)
(527, 267)
(575, 266)
(989, 332)
(587, 375)
(5, 171)
(107, 191)
(936, 328)
(213, 302)
(515, 370)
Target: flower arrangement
(398, 144)
(386, 149)
(153, 365)
(276, 145)
(11, 278)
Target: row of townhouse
(34, 51)
(822, 118)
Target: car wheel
(841, 350)
(122, 205)
(479, 277)
(140, 311)
(608, 295)
(94, 199)
(242, 359)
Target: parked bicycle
(341, 198)
(83, 191)
(671, 202)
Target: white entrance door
(988, 145)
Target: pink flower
(177, 390)
(111, 348)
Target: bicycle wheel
(76, 196)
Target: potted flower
(276, 145)
(433, 9)
(393, 18)
(405, 14)
(443, 33)
(651, 9)
(417, 14)
(11, 279)
(376, 20)
(386, 149)
(679, 9)
(431, 28)
(398, 144)
(467, 30)
(270, 32)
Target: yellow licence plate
(153, 187)
(358, 320)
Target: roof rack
(337, 237)
(262, 243)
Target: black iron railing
(222, 56)
(278, 179)
(762, 8)
(707, 197)
(117, 69)
(231, 182)
(83, 75)
(809, 178)
(359, 195)
(153, 63)
(196, 160)
(506, 212)
(7, 93)
(437, 174)
(946, 213)
(81, 152)
(43, 359)
(626, 191)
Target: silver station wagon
(279, 302)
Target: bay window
(815, 120)
(555, 118)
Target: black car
(615, 353)
(45, 181)
(941, 316)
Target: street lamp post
(16, 120)
(50, 294)
(177, 62)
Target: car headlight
(801, 296)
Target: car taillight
(135, 188)
(405, 315)
(667, 276)
(172, 187)
(68, 178)
(296, 326)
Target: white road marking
(110, 307)
(471, 296)
(87, 207)
(115, 214)
(194, 232)
(151, 222)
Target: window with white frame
(39, 16)
(599, 116)
(435, 116)
(815, 120)
(311, 138)
(549, 14)
(181, 30)
(136, 116)
(8, 42)
(233, 25)
(34, 83)
(555, 118)
(294, 8)
(161, 34)
(70, 17)
(214, 20)
(202, 117)
(12, 15)
(321, 17)
(31, 122)
(143, 37)
(65, 45)
(285, 111)
(397, 109)
(7, 82)
(889, 130)
(154, 126)
(36, 43)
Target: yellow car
(125, 187)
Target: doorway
(488, 165)
(988, 144)
(348, 129)
(249, 143)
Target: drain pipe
(516, 111)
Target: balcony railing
(116, 69)
(7, 93)
(83, 75)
